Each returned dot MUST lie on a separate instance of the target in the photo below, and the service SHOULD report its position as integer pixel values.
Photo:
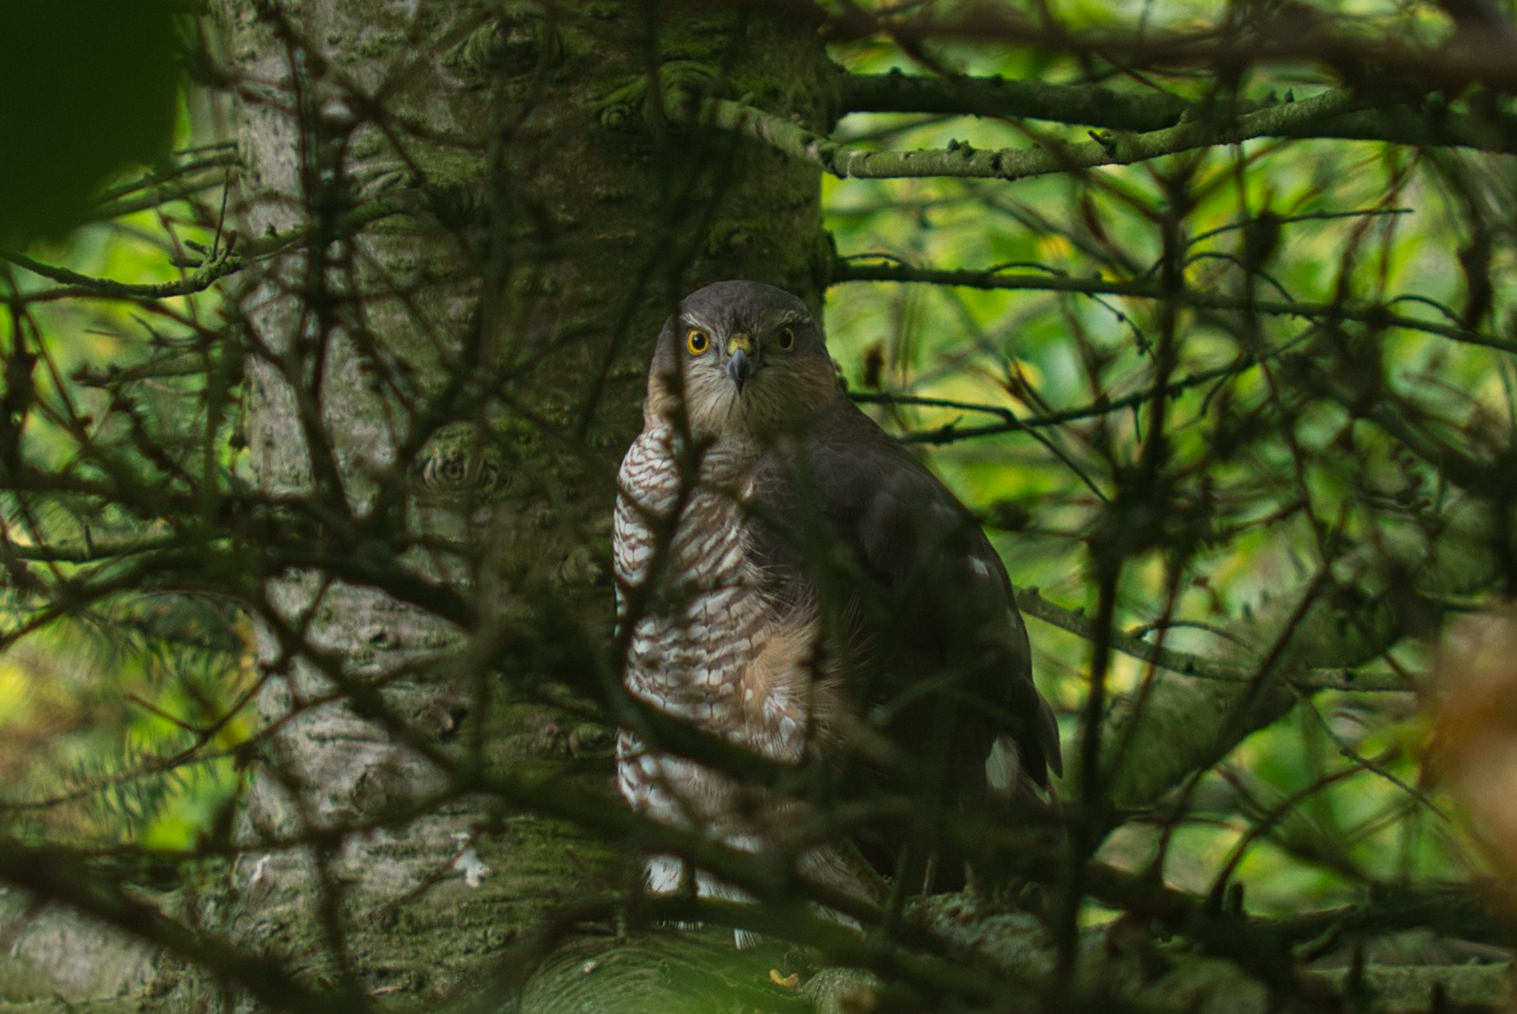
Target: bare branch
(1142, 112)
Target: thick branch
(1095, 106)
(83, 285)
(1286, 37)
(1090, 105)
(1185, 723)
(847, 162)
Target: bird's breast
(706, 640)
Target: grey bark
(546, 230)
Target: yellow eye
(697, 341)
(787, 338)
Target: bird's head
(744, 359)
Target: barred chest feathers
(710, 644)
(706, 644)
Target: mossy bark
(549, 220)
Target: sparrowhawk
(791, 578)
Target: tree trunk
(483, 351)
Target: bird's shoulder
(887, 506)
(934, 585)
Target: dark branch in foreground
(1286, 35)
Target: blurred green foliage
(120, 721)
(1310, 811)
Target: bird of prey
(793, 580)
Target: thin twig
(1375, 316)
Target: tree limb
(76, 284)
(1096, 106)
(961, 160)
(56, 875)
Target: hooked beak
(740, 360)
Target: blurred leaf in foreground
(85, 87)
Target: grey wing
(925, 591)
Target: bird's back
(849, 516)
